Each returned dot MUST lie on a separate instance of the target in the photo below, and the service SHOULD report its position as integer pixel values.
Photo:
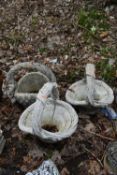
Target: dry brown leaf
(90, 126)
(104, 34)
(94, 167)
(65, 171)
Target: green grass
(93, 22)
(15, 37)
(108, 51)
(34, 21)
(42, 50)
(107, 71)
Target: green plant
(42, 50)
(34, 21)
(15, 37)
(108, 51)
(93, 22)
(72, 77)
(105, 51)
(49, 154)
(107, 71)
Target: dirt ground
(49, 32)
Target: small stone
(66, 57)
(54, 61)
(24, 168)
(111, 62)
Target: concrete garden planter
(46, 168)
(49, 112)
(90, 91)
(24, 80)
(110, 158)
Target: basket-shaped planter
(110, 158)
(77, 93)
(49, 112)
(46, 168)
(90, 91)
(65, 119)
(26, 88)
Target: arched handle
(90, 70)
(49, 89)
(46, 91)
(90, 82)
(10, 83)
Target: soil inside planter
(33, 92)
(50, 128)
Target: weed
(74, 75)
(93, 22)
(108, 51)
(34, 21)
(107, 71)
(42, 50)
(15, 37)
(49, 154)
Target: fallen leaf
(104, 34)
(94, 167)
(65, 171)
(90, 126)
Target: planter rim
(10, 84)
(110, 164)
(85, 102)
(21, 80)
(59, 135)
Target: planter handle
(10, 84)
(90, 82)
(45, 92)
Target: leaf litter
(44, 31)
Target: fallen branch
(98, 135)
(93, 155)
(93, 35)
(113, 123)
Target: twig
(97, 159)
(98, 135)
(94, 36)
(103, 155)
(114, 127)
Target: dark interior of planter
(50, 128)
(31, 83)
